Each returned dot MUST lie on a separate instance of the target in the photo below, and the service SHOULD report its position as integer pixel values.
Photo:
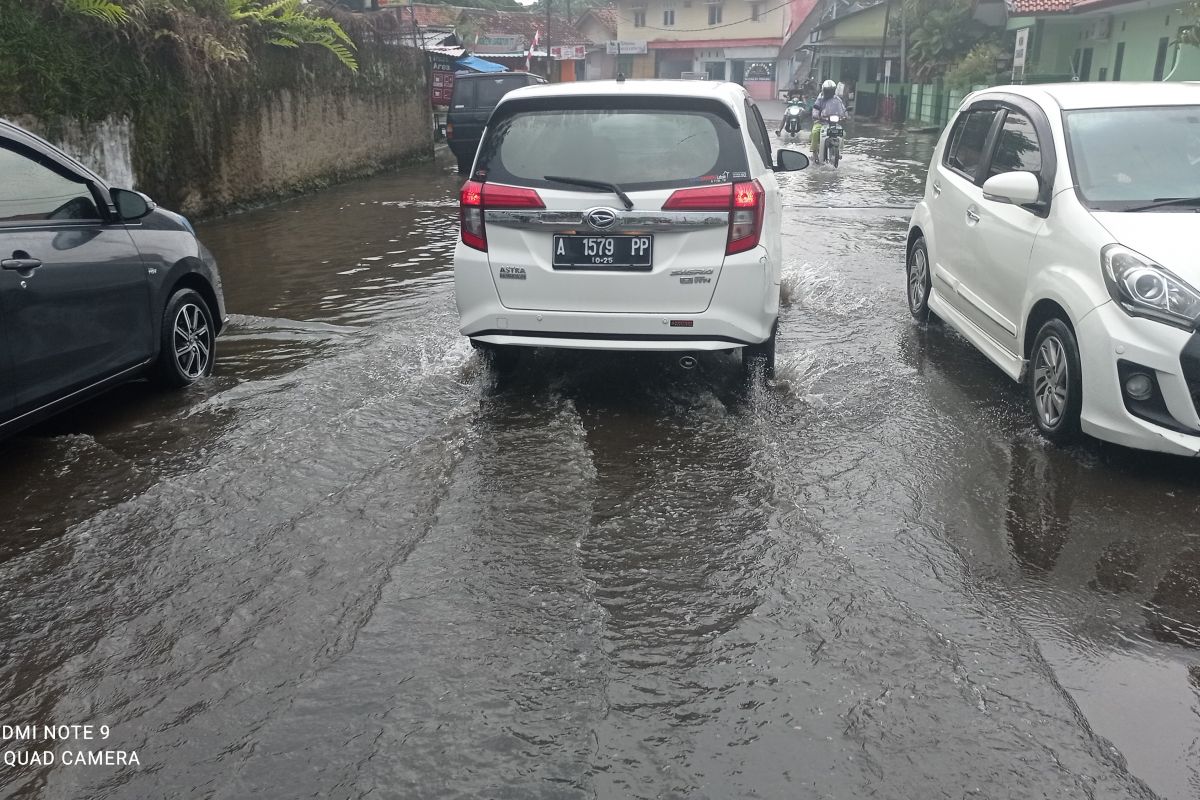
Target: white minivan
(1055, 235)
(623, 215)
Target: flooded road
(355, 563)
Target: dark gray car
(97, 286)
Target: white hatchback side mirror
(1018, 188)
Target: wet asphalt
(356, 563)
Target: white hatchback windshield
(634, 148)
(1126, 158)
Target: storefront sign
(1020, 50)
(624, 48)
(569, 52)
(498, 43)
(441, 78)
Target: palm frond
(106, 11)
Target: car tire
(1055, 382)
(187, 340)
(759, 359)
(464, 164)
(919, 281)
(500, 358)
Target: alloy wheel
(192, 341)
(1050, 381)
(917, 272)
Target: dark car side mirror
(131, 205)
(790, 160)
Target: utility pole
(549, 62)
(903, 44)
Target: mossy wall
(210, 135)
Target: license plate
(603, 252)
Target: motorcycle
(832, 133)
(793, 117)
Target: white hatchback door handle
(937, 189)
(972, 216)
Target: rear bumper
(740, 313)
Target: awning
(476, 64)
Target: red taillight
(743, 201)
(449, 130)
(497, 195)
(746, 221)
(476, 196)
(718, 197)
(470, 215)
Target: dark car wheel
(1055, 382)
(187, 340)
(919, 281)
(759, 359)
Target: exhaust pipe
(688, 362)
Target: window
(1119, 62)
(760, 70)
(714, 15)
(634, 147)
(639, 19)
(758, 132)
(488, 91)
(669, 17)
(754, 12)
(30, 190)
(1018, 149)
(1115, 171)
(1160, 61)
(967, 141)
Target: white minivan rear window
(634, 148)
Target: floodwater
(355, 563)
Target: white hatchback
(1055, 235)
(623, 215)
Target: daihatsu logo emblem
(600, 218)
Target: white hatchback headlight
(1145, 289)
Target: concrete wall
(208, 139)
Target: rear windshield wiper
(612, 187)
(1159, 202)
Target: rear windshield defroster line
(641, 143)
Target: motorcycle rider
(826, 106)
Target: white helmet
(828, 85)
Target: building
(1101, 40)
(734, 40)
(857, 47)
(598, 26)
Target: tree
(945, 33)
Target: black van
(475, 95)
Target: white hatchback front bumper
(1108, 336)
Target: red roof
(432, 16)
(607, 15)
(1022, 8)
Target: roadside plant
(976, 67)
(106, 11)
(289, 23)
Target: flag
(529, 53)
